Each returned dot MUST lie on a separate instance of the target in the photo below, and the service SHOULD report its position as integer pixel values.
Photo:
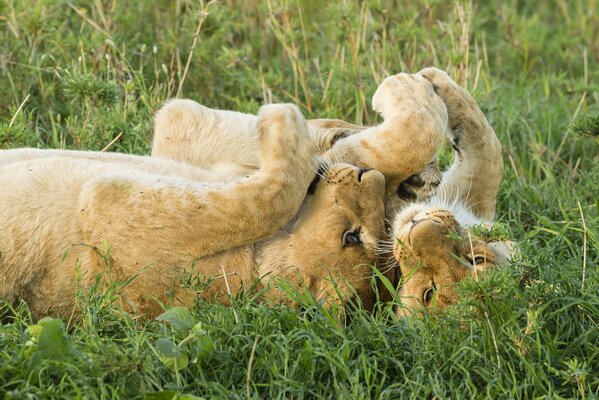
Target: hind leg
(476, 172)
(227, 142)
(224, 141)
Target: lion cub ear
(505, 250)
(329, 131)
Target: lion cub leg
(225, 141)
(415, 122)
(477, 169)
(200, 218)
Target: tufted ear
(505, 250)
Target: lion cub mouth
(435, 205)
(436, 209)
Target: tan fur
(433, 245)
(402, 148)
(119, 194)
(164, 220)
(476, 172)
(434, 252)
(413, 130)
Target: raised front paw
(403, 93)
(284, 133)
(420, 186)
(469, 129)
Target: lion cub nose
(428, 233)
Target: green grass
(80, 74)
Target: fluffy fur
(419, 110)
(432, 242)
(166, 221)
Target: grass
(84, 74)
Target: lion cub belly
(40, 227)
(49, 249)
(45, 253)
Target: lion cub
(166, 220)
(433, 241)
(429, 243)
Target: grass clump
(586, 125)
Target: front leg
(158, 217)
(415, 122)
(477, 169)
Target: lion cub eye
(428, 294)
(477, 260)
(351, 238)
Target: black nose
(361, 172)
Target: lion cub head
(435, 249)
(331, 246)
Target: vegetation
(88, 74)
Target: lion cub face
(333, 243)
(435, 251)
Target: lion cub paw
(403, 93)
(284, 134)
(468, 125)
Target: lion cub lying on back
(429, 240)
(164, 219)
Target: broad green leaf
(162, 395)
(171, 355)
(176, 363)
(204, 346)
(53, 342)
(198, 329)
(179, 317)
(34, 332)
(167, 348)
